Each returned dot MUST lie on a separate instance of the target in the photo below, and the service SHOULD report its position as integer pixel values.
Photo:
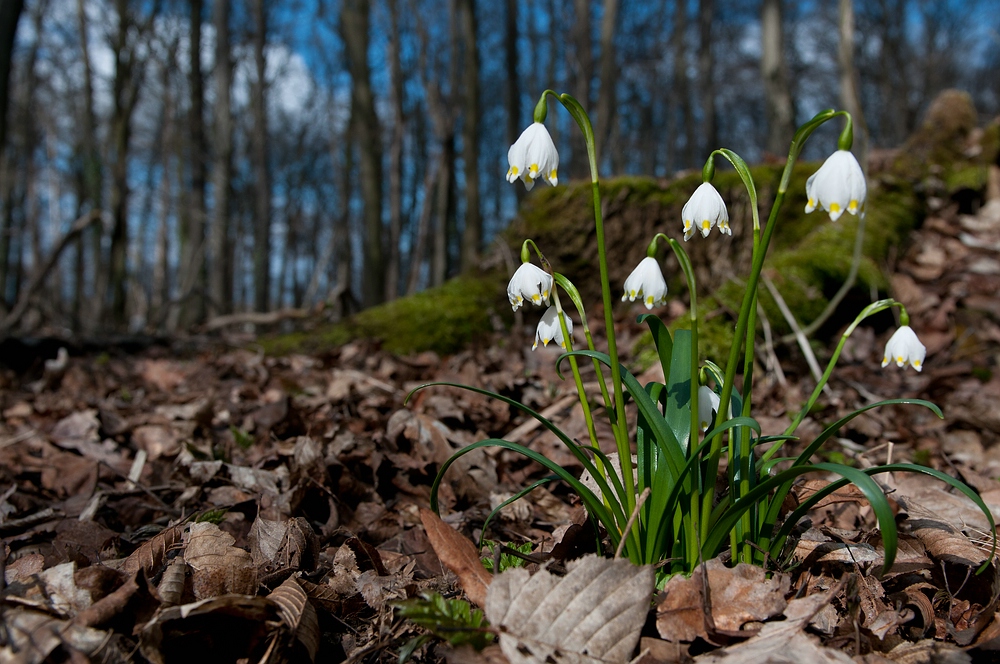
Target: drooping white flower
(531, 283)
(708, 406)
(838, 186)
(704, 210)
(646, 283)
(903, 347)
(533, 156)
(549, 329)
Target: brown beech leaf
(459, 555)
(738, 595)
(593, 614)
(298, 613)
(218, 566)
(149, 557)
(33, 636)
(783, 641)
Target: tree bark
(513, 88)
(582, 72)
(606, 101)
(191, 276)
(392, 277)
(354, 25)
(472, 234)
(706, 75)
(849, 96)
(687, 156)
(10, 13)
(774, 70)
(220, 279)
(261, 171)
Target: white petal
(704, 210)
(549, 329)
(838, 186)
(529, 283)
(646, 283)
(904, 348)
(708, 405)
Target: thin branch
(797, 332)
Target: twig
(770, 358)
(799, 336)
(631, 520)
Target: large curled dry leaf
(218, 566)
(738, 595)
(593, 614)
(459, 555)
(298, 614)
(149, 557)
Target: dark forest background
(168, 162)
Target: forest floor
(224, 505)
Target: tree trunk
(191, 276)
(10, 12)
(682, 93)
(582, 71)
(354, 25)
(261, 172)
(514, 119)
(849, 96)
(221, 295)
(774, 70)
(472, 234)
(706, 74)
(392, 277)
(606, 101)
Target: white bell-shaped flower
(531, 283)
(549, 329)
(704, 210)
(838, 186)
(708, 406)
(533, 156)
(647, 284)
(903, 347)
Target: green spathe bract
(685, 520)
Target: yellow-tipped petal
(649, 301)
(553, 175)
(852, 207)
(533, 170)
(513, 170)
(706, 224)
(536, 298)
(834, 207)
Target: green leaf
(661, 339)
(678, 415)
(744, 172)
(453, 620)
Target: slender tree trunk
(682, 90)
(606, 101)
(220, 292)
(93, 185)
(392, 277)
(191, 276)
(354, 24)
(849, 96)
(126, 85)
(582, 68)
(514, 119)
(10, 13)
(706, 74)
(443, 211)
(262, 175)
(472, 234)
(774, 70)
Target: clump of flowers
(684, 426)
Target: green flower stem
(568, 347)
(871, 309)
(696, 524)
(619, 424)
(742, 322)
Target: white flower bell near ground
(531, 283)
(704, 210)
(533, 156)
(903, 347)
(647, 284)
(708, 405)
(549, 329)
(838, 186)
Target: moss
(966, 177)
(443, 319)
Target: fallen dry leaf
(149, 557)
(738, 595)
(218, 566)
(459, 555)
(593, 614)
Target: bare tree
(606, 101)
(220, 280)
(10, 13)
(849, 96)
(472, 234)
(774, 69)
(706, 75)
(261, 171)
(682, 94)
(395, 152)
(581, 74)
(354, 26)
